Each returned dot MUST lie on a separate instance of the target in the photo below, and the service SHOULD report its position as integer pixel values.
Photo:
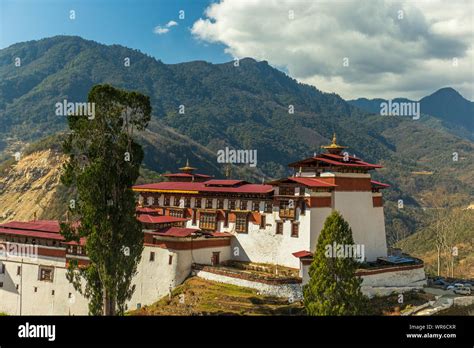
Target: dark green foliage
(334, 289)
(104, 163)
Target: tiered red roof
(309, 182)
(326, 159)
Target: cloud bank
(354, 48)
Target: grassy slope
(204, 297)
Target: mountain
(446, 104)
(243, 107)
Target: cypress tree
(104, 162)
(333, 288)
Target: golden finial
(334, 147)
(187, 168)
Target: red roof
(356, 163)
(146, 210)
(201, 187)
(222, 182)
(31, 233)
(311, 182)
(337, 160)
(51, 226)
(186, 175)
(150, 219)
(379, 184)
(177, 232)
(221, 234)
(302, 254)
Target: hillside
(244, 107)
(28, 187)
(422, 245)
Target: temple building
(193, 220)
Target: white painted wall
(367, 223)
(42, 301)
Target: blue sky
(126, 22)
(371, 48)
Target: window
(198, 203)
(279, 228)
(152, 256)
(150, 200)
(207, 221)
(175, 202)
(35, 289)
(294, 229)
(52, 292)
(302, 191)
(232, 205)
(241, 223)
(194, 217)
(18, 270)
(263, 221)
(209, 203)
(166, 201)
(303, 207)
(226, 219)
(176, 213)
(243, 205)
(45, 273)
(187, 202)
(268, 207)
(69, 295)
(256, 205)
(1, 284)
(2, 268)
(220, 204)
(170, 259)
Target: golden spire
(334, 147)
(187, 168)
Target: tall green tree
(333, 288)
(104, 162)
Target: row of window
(35, 289)
(208, 203)
(295, 228)
(152, 258)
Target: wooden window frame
(295, 230)
(41, 273)
(263, 221)
(239, 223)
(208, 221)
(279, 227)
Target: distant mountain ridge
(446, 104)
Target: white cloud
(160, 30)
(391, 53)
(163, 30)
(171, 24)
